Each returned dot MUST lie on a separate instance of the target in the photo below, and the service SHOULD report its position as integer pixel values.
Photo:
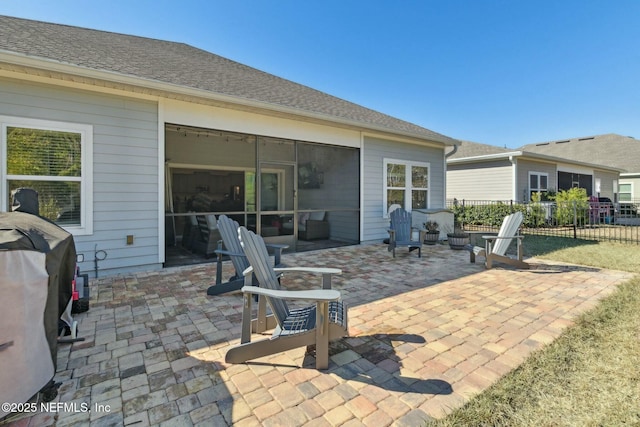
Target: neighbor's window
(538, 182)
(52, 158)
(624, 192)
(406, 184)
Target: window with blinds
(48, 159)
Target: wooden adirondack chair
(497, 252)
(317, 324)
(230, 246)
(400, 232)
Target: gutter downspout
(452, 152)
(446, 156)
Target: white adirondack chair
(496, 246)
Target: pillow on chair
(212, 222)
(317, 216)
(302, 220)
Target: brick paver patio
(426, 334)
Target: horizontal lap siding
(375, 225)
(526, 166)
(480, 181)
(125, 167)
(606, 183)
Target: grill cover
(25, 231)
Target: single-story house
(484, 172)
(610, 149)
(126, 137)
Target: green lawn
(590, 375)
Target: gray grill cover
(20, 230)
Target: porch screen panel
(328, 177)
(329, 182)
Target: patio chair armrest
(277, 251)
(326, 272)
(502, 237)
(314, 295)
(318, 270)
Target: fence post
(575, 220)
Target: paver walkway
(426, 334)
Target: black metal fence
(602, 221)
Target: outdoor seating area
(310, 326)
(424, 336)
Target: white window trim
(408, 186)
(630, 192)
(538, 174)
(86, 180)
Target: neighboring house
(484, 172)
(613, 150)
(123, 136)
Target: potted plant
(458, 239)
(433, 234)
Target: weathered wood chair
(230, 246)
(314, 325)
(401, 230)
(498, 251)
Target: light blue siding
(375, 150)
(125, 168)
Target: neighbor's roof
(610, 149)
(473, 152)
(475, 149)
(162, 66)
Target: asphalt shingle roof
(185, 66)
(610, 149)
(475, 149)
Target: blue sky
(505, 73)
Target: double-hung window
(406, 184)
(624, 192)
(54, 159)
(538, 183)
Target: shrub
(569, 203)
(535, 216)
